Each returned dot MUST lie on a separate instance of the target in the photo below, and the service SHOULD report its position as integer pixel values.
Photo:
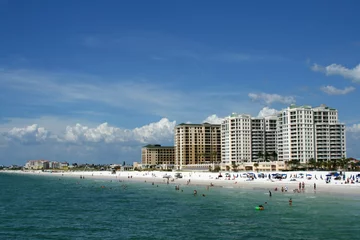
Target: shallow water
(44, 207)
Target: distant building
(247, 139)
(304, 132)
(64, 165)
(158, 156)
(197, 145)
(54, 165)
(37, 164)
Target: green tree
(318, 164)
(353, 166)
(311, 163)
(344, 163)
(266, 156)
(234, 166)
(260, 155)
(256, 165)
(274, 156)
(294, 164)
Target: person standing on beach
(314, 186)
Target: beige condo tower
(197, 145)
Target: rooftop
(157, 146)
(197, 124)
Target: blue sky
(92, 81)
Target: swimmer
(195, 192)
(261, 207)
(290, 201)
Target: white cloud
(355, 128)
(336, 91)
(151, 133)
(267, 112)
(29, 134)
(353, 136)
(337, 69)
(271, 98)
(213, 119)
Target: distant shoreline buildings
(295, 134)
(45, 164)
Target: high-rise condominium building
(158, 155)
(247, 139)
(304, 133)
(197, 144)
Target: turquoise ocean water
(43, 207)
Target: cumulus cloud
(29, 134)
(266, 111)
(271, 98)
(331, 90)
(337, 69)
(353, 132)
(153, 132)
(213, 119)
(355, 128)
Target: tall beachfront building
(197, 144)
(247, 139)
(304, 133)
(154, 155)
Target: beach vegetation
(267, 156)
(234, 166)
(256, 165)
(311, 164)
(294, 164)
(217, 169)
(274, 156)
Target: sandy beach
(310, 179)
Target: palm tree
(260, 155)
(294, 164)
(335, 164)
(353, 165)
(312, 162)
(274, 155)
(329, 165)
(267, 157)
(256, 166)
(212, 156)
(344, 162)
(319, 163)
(234, 166)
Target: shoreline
(205, 179)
